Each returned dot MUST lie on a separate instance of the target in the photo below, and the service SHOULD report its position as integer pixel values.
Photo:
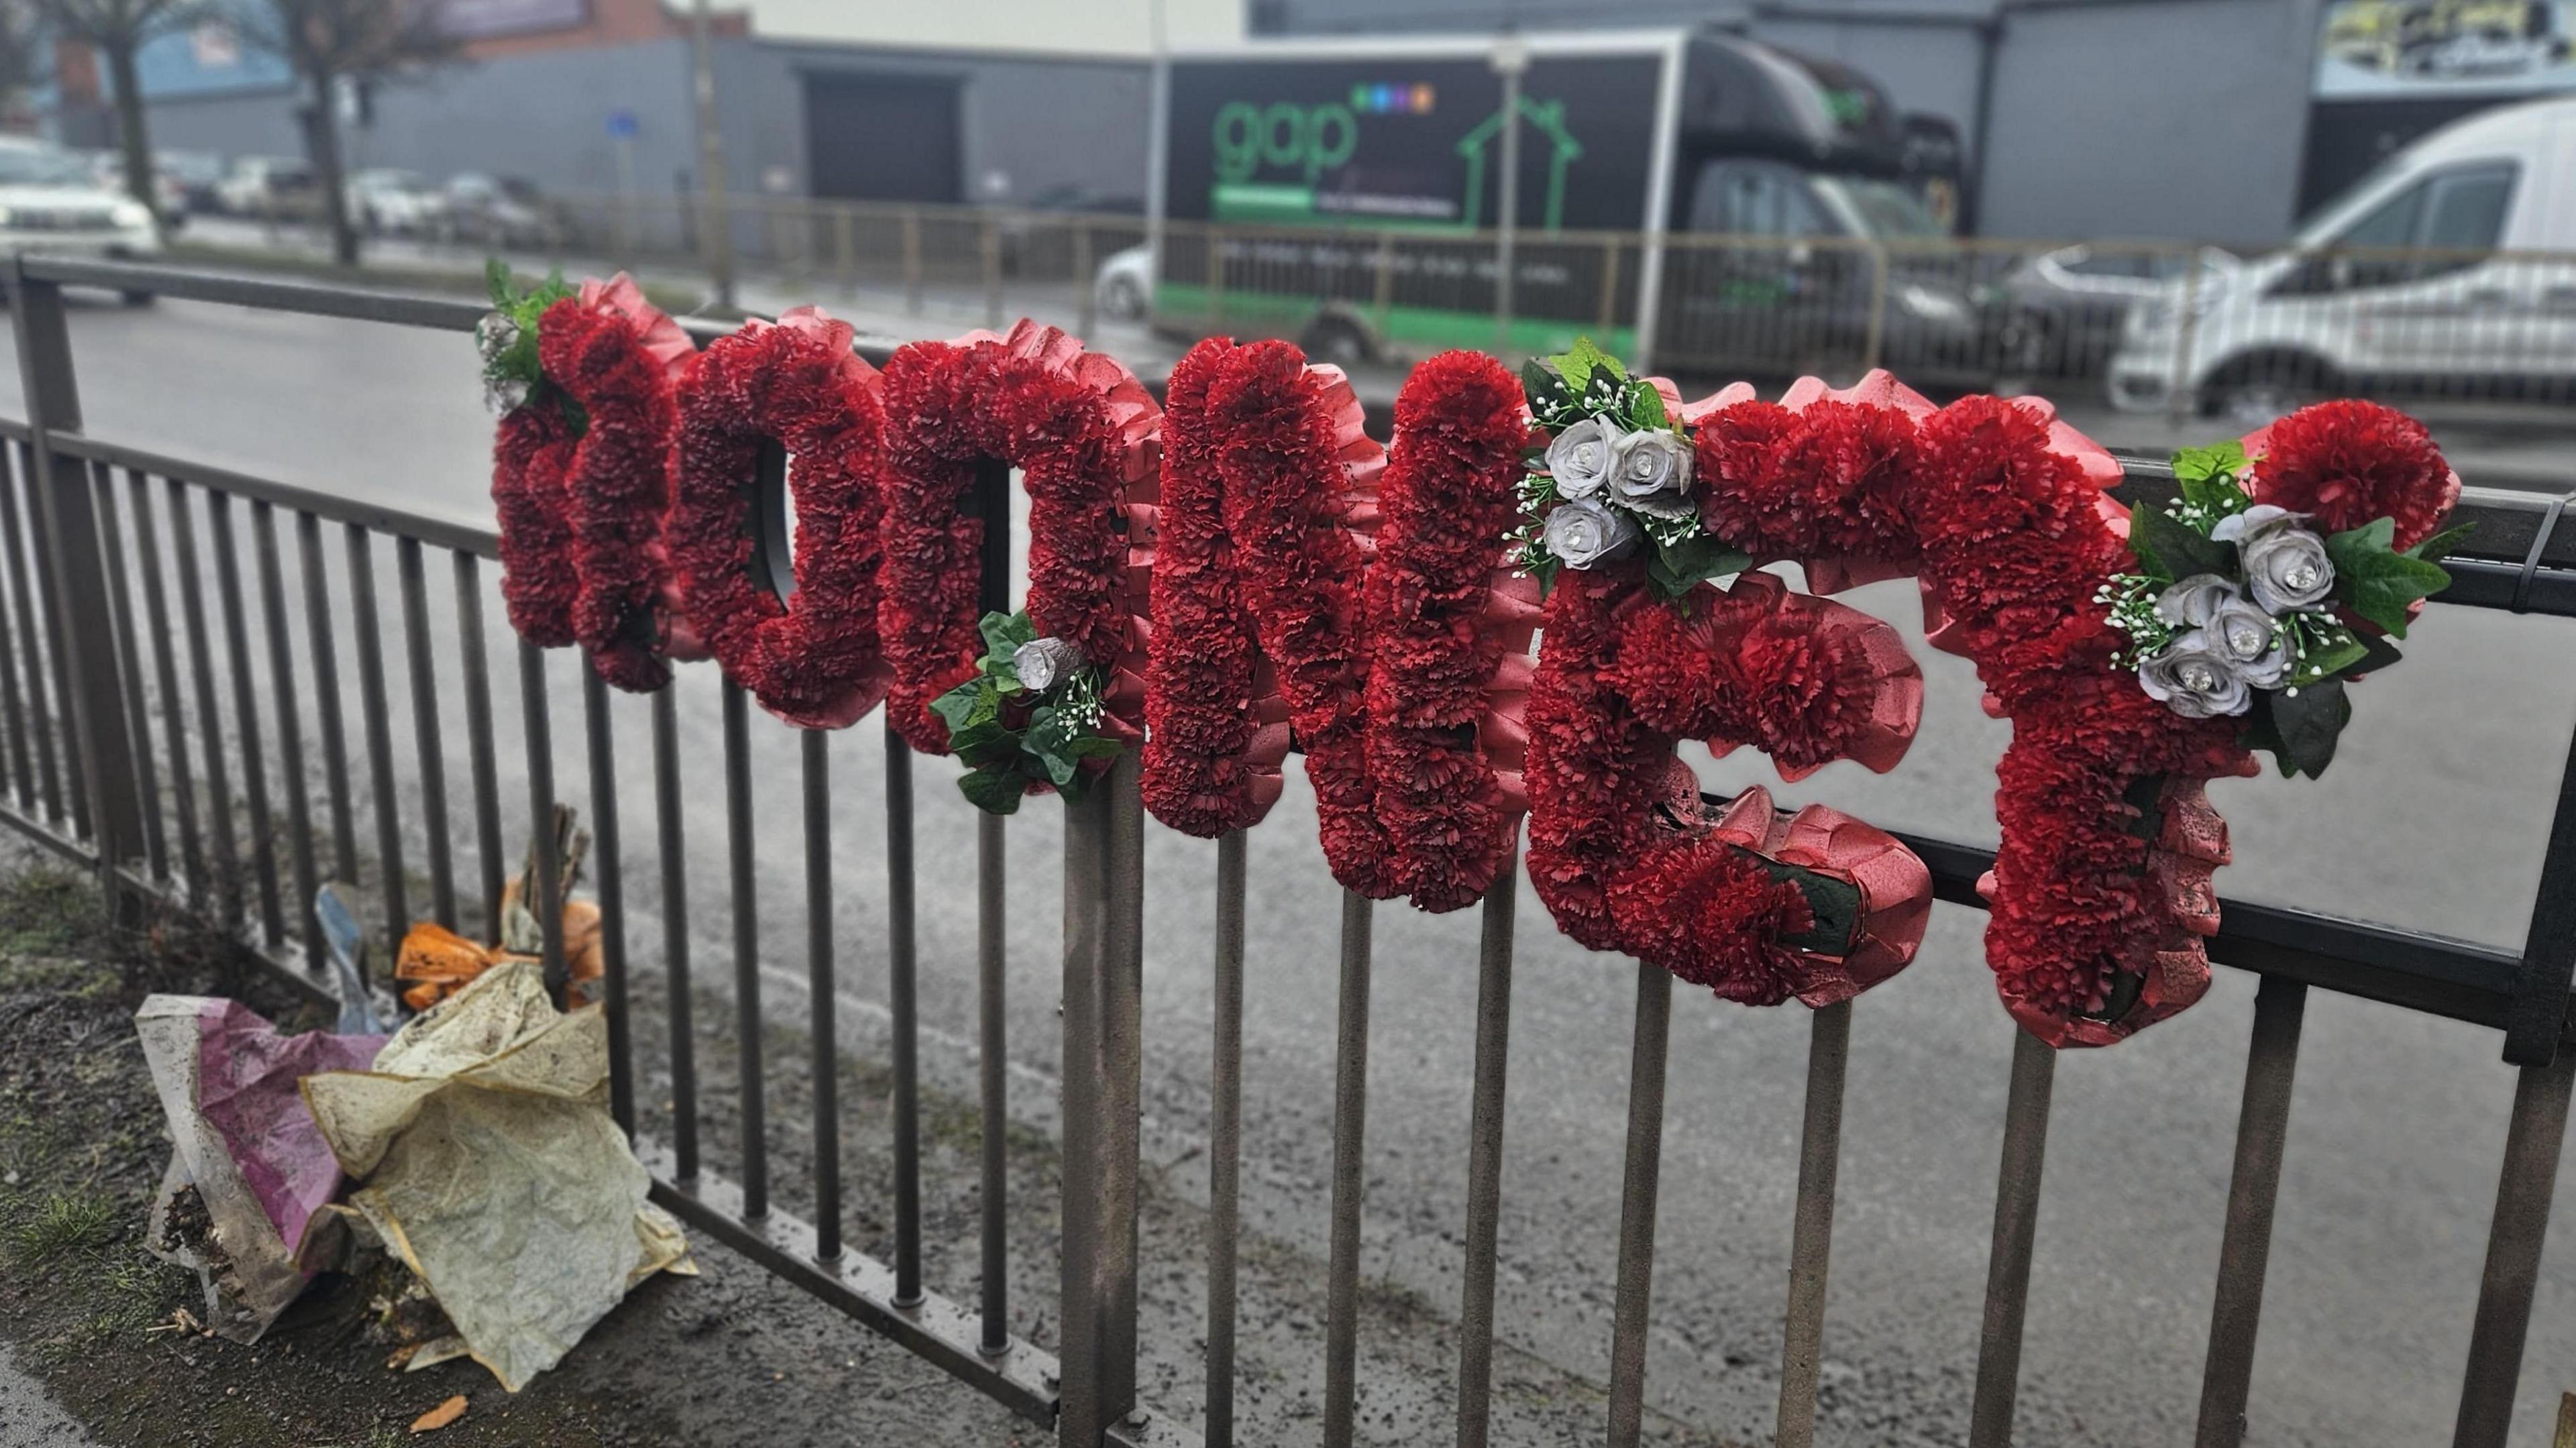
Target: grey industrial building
(2203, 119)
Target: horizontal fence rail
(153, 672)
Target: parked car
(1037, 236)
(107, 168)
(1124, 288)
(386, 202)
(2444, 272)
(2059, 314)
(51, 201)
(195, 174)
(270, 186)
(497, 210)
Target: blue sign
(622, 125)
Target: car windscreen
(31, 166)
(1883, 208)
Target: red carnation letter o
(811, 659)
(1084, 434)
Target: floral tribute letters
(1249, 574)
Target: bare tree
(18, 50)
(116, 30)
(332, 41)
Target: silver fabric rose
(2189, 604)
(2255, 646)
(1650, 471)
(1043, 663)
(1579, 459)
(1586, 534)
(505, 394)
(2194, 679)
(2286, 566)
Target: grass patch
(46, 1230)
(49, 910)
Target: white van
(2450, 271)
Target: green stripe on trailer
(1418, 327)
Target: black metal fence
(134, 737)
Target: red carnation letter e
(1641, 648)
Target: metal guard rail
(2430, 973)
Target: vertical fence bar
(912, 262)
(1350, 1129)
(1812, 1238)
(746, 951)
(675, 931)
(2514, 1240)
(1122, 1049)
(2262, 1128)
(165, 674)
(363, 621)
(818, 965)
(56, 628)
(22, 581)
(992, 965)
(220, 845)
(22, 722)
(601, 741)
(290, 734)
(137, 706)
(478, 736)
(992, 506)
(326, 696)
(1225, 1140)
(1083, 1414)
(537, 714)
(254, 755)
(1485, 1156)
(901, 962)
(1637, 1195)
(433, 761)
(2034, 1076)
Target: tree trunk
(322, 137)
(130, 131)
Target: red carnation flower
(2351, 462)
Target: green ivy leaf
(2306, 722)
(1005, 632)
(1646, 407)
(1676, 567)
(959, 704)
(2377, 653)
(2170, 550)
(1580, 362)
(2440, 545)
(1543, 572)
(995, 789)
(978, 742)
(2199, 465)
(2378, 584)
(1097, 746)
(2338, 655)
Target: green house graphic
(1549, 118)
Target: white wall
(1080, 27)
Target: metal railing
(104, 756)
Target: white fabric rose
(494, 335)
(1586, 533)
(1042, 663)
(1579, 459)
(2256, 647)
(2286, 564)
(2189, 604)
(2194, 679)
(1650, 471)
